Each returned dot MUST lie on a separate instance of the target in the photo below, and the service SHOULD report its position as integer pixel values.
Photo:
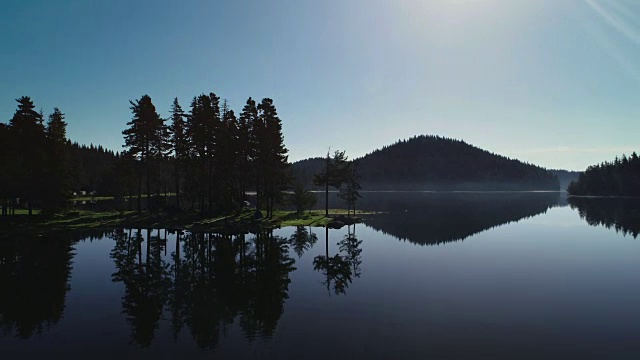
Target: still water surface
(444, 276)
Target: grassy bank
(241, 221)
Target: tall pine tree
(272, 156)
(29, 151)
(145, 139)
(179, 145)
(57, 186)
(245, 144)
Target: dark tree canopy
(620, 177)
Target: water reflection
(302, 240)
(211, 280)
(34, 275)
(436, 218)
(340, 269)
(146, 282)
(621, 214)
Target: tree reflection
(267, 282)
(34, 275)
(302, 240)
(621, 214)
(350, 245)
(146, 283)
(339, 269)
(212, 280)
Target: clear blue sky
(553, 82)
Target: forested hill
(437, 163)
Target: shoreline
(193, 221)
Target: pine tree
(335, 172)
(6, 163)
(202, 128)
(144, 139)
(57, 186)
(227, 155)
(245, 144)
(272, 156)
(179, 144)
(30, 151)
(350, 191)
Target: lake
(434, 275)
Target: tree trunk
(139, 191)
(326, 188)
(177, 261)
(148, 188)
(177, 178)
(326, 199)
(326, 237)
(209, 191)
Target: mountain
(437, 163)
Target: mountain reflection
(436, 218)
(210, 281)
(621, 214)
(34, 276)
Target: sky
(551, 82)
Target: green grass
(89, 198)
(98, 198)
(26, 211)
(91, 220)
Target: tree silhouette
(246, 144)
(334, 173)
(620, 177)
(30, 154)
(209, 156)
(57, 188)
(145, 139)
(270, 157)
(350, 190)
(202, 126)
(7, 183)
(179, 145)
(302, 199)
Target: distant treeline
(437, 163)
(620, 177)
(93, 169)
